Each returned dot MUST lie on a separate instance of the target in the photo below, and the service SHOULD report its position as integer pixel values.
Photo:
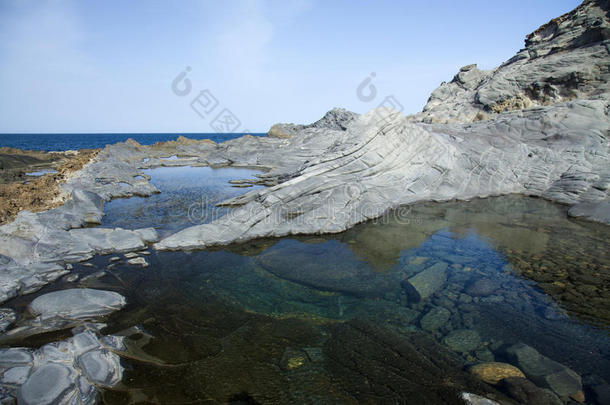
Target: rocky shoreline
(537, 125)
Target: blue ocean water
(58, 142)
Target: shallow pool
(188, 197)
(391, 311)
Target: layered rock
(563, 60)
(66, 372)
(345, 169)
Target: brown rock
(494, 372)
(578, 397)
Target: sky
(115, 66)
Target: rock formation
(537, 125)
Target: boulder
(526, 392)
(426, 283)
(543, 371)
(494, 372)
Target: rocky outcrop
(344, 169)
(66, 372)
(337, 119)
(565, 59)
(384, 160)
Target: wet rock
(485, 355)
(543, 371)
(493, 373)
(465, 299)
(7, 317)
(474, 399)
(49, 384)
(104, 240)
(15, 357)
(16, 375)
(293, 359)
(435, 319)
(78, 303)
(482, 287)
(426, 283)
(341, 272)
(101, 367)
(63, 372)
(526, 392)
(462, 340)
(138, 261)
(578, 397)
(130, 255)
(359, 355)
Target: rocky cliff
(565, 59)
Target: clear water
(188, 197)
(39, 173)
(59, 142)
(330, 319)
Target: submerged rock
(435, 319)
(526, 392)
(341, 272)
(482, 287)
(493, 372)
(426, 283)
(360, 354)
(462, 340)
(543, 371)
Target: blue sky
(108, 66)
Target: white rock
(78, 303)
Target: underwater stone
(482, 287)
(543, 371)
(494, 372)
(435, 319)
(425, 283)
(526, 392)
(462, 340)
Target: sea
(72, 141)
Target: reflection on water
(391, 311)
(188, 197)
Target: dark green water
(333, 319)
